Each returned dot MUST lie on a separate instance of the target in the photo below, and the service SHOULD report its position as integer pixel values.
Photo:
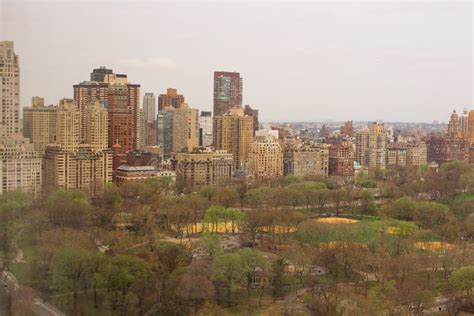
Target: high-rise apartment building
(37, 101)
(67, 133)
(164, 130)
(371, 147)
(454, 130)
(341, 159)
(253, 113)
(205, 129)
(265, 157)
(233, 132)
(470, 132)
(20, 164)
(124, 115)
(78, 157)
(202, 167)
(464, 124)
(84, 169)
(149, 107)
(96, 131)
(120, 98)
(170, 99)
(185, 128)
(228, 91)
(39, 124)
(10, 90)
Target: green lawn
(23, 272)
(28, 242)
(365, 231)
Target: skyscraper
(371, 147)
(227, 91)
(124, 115)
(39, 124)
(170, 98)
(205, 129)
(9, 90)
(233, 132)
(470, 132)
(122, 100)
(164, 130)
(185, 128)
(149, 107)
(20, 164)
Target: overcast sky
(306, 61)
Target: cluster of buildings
(103, 135)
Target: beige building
(266, 158)
(185, 128)
(307, 160)
(202, 167)
(39, 125)
(37, 101)
(85, 169)
(371, 147)
(470, 132)
(67, 133)
(78, 157)
(396, 155)
(233, 132)
(417, 154)
(20, 164)
(96, 129)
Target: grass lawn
(363, 231)
(28, 241)
(23, 272)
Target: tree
(195, 289)
(124, 278)
(463, 280)
(252, 260)
(214, 216)
(403, 209)
(235, 216)
(69, 267)
(430, 214)
(226, 197)
(210, 243)
(69, 208)
(12, 206)
(228, 269)
(278, 278)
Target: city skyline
(440, 58)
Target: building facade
(170, 99)
(228, 91)
(84, 169)
(205, 129)
(39, 125)
(371, 147)
(341, 159)
(307, 160)
(233, 132)
(266, 158)
(185, 128)
(202, 167)
(20, 164)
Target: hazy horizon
(306, 61)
